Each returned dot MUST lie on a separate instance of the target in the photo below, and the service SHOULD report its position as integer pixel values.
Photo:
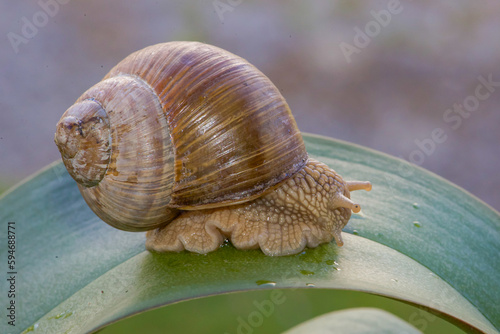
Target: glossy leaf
(355, 321)
(418, 239)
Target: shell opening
(83, 137)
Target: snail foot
(277, 232)
(190, 231)
(250, 226)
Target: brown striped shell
(178, 126)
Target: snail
(196, 146)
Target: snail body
(195, 145)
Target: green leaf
(76, 274)
(355, 321)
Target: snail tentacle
(359, 185)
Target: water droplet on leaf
(307, 272)
(265, 283)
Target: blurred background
(387, 90)
(383, 76)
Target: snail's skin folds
(309, 209)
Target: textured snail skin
(195, 144)
(308, 209)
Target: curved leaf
(242, 312)
(80, 274)
(355, 321)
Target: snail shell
(178, 126)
